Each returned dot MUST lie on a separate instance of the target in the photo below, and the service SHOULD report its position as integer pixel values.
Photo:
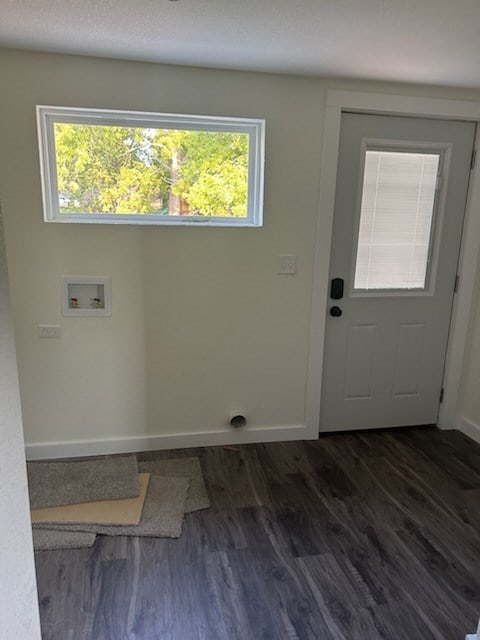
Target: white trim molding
(377, 103)
(469, 428)
(133, 444)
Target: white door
(400, 199)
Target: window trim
(47, 116)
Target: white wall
(202, 324)
(468, 409)
(18, 596)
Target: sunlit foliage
(125, 170)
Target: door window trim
(444, 151)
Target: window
(146, 168)
(396, 220)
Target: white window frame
(47, 116)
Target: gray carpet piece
(44, 540)
(162, 515)
(197, 498)
(54, 484)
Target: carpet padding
(44, 540)
(162, 515)
(197, 498)
(53, 484)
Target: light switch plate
(287, 264)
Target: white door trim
(336, 102)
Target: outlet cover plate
(49, 331)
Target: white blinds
(395, 220)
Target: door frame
(338, 101)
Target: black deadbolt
(336, 312)
(336, 289)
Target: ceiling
(427, 41)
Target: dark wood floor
(355, 536)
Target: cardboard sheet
(115, 512)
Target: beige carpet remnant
(175, 486)
(182, 468)
(117, 512)
(162, 515)
(44, 540)
(54, 484)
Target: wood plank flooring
(364, 536)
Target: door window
(396, 219)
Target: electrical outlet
(287, 265)
(49, 331)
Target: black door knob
(336, 312)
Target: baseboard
(132, 444)
(469, 428)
